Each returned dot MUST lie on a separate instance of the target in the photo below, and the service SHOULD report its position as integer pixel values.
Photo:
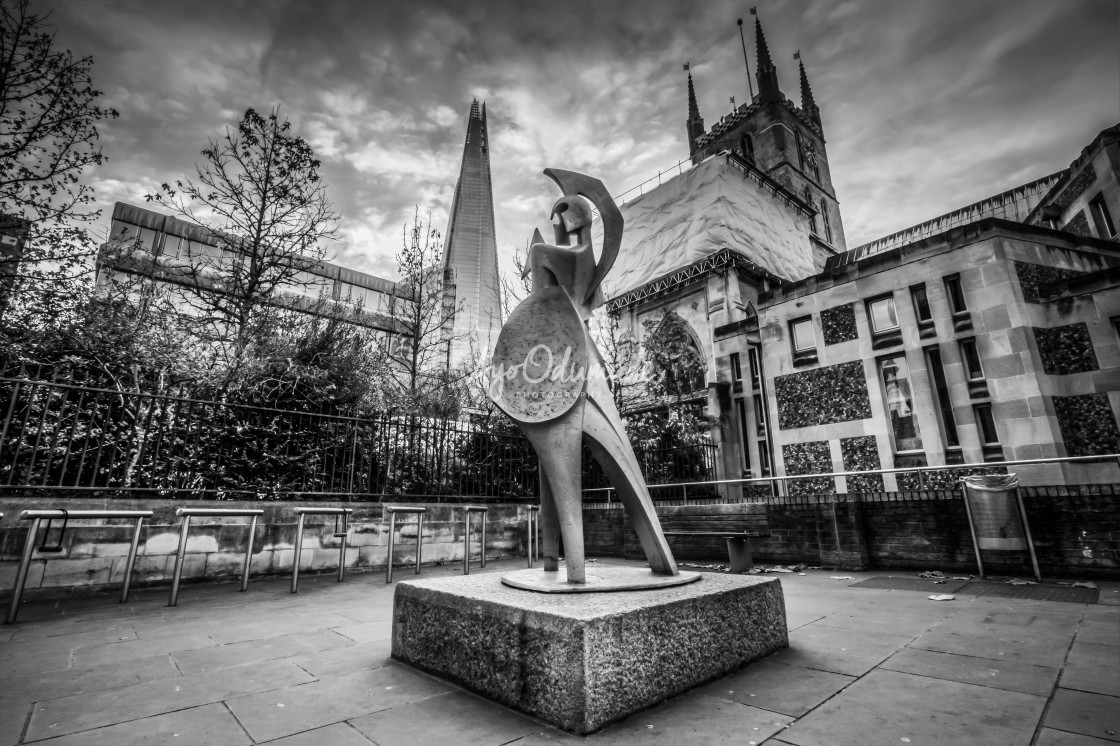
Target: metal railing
(74, 438)
(70, 438)
(777, 484)
(36, 517)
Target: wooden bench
(738, 530)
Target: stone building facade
(949, 350)
(986, 334)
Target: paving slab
(140, 648)
(1089, 714)
(886, 707)
(1092, 668)
(1004, 674)
(33, 687)
(63, 654)
(349, 659)
(1051, 737)
(80, 712)
(839, 650)
(456, 717)
(12, 719)
(1100, 628)
(694, 719)
(339, 734)
(1027, 640)
(212, 725)
(255, 651)
(790, 690)
(367, 631)
(295, 709)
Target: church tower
(470, 257)
(784, 140)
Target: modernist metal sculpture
(548, 376)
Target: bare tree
(265, 211)
(421, 377)
(48, 138)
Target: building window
(825, 221)
(882, 314)
(759, 417)
(743, 430)
(746, 144)
(921, 303)
(736, 367)
(801, 336)
(800, 150)
(941, 394)
(986, 424)
(809, 202)
(970, 356)
(763, 459)
(1105, 227)
(956, 294)
(752, 359)
(895, 376)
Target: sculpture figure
(543, 375)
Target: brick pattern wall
(1076, 532)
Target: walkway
(865, 666)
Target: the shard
(470, 256)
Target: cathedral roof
(719, 204)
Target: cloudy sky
(927, 104)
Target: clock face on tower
(811, 153)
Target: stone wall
(94, 552)
(1076, 531)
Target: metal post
(972, 527)
(1027, 532)
(466, 541)
(179, 555)
(419, 539)
(389, 563)
(342, 559)
(299, 551)
(249, 554)
(131, 558)
(482, 541)
(21, 575)
(533, 542)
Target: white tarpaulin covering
(710, 207)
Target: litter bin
(996, 516)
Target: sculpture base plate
(599, 580)
(580, 661)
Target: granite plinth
(581, 661)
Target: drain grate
(1060, 593)
(913, 584)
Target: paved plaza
(865, 666)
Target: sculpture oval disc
(539, 366)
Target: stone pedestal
(580, 661)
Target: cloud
(927, 105)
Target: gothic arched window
(809, 201)
(679, 365)
(824, 217)
(800, 150)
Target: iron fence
(73, 438)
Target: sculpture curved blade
(593, 189)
